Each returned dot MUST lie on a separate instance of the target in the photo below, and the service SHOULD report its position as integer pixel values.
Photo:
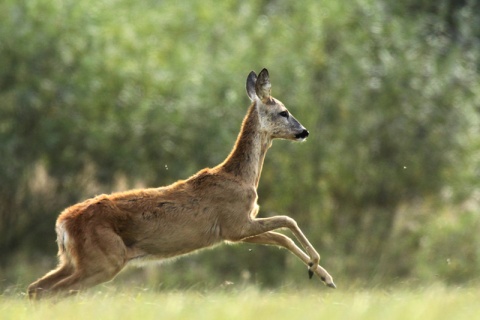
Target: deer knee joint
(290, 223)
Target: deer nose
(302, 135)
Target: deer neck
(246, 159)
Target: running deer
(98, 237)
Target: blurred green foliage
(101, 96)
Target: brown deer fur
(98, 237)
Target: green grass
(435, 302)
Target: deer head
(275, 119)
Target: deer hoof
(332, 285)
(310, 274)
(310, 271)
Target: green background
(106, 95)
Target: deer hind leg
(104, 255)
(82, 280)
(37, 289)
(97, 259)
(277, 239)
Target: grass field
(436, 302)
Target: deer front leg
(287, 222)
(258, 226)
(277, 239)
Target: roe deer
(98, 237)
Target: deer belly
(170, 240)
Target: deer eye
(284, 114)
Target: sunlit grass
(436, 302)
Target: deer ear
(250, 86)
(263, 86)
